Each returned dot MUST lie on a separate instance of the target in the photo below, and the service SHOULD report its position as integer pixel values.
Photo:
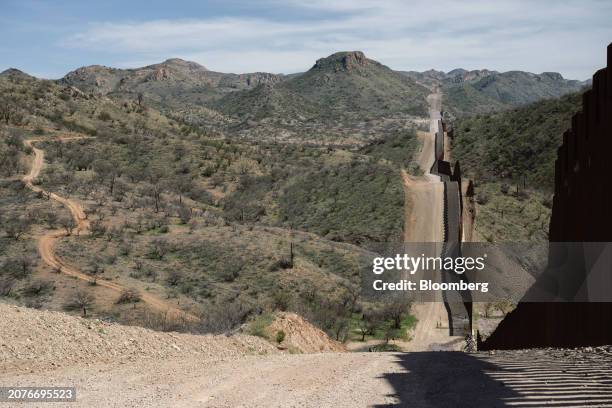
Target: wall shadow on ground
(446, 379)
(516, 379)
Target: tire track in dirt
(46, 242)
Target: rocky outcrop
(94, 78)
(176, 81)
(159, 74)
(251, 80)
(182, 64)
(343, 61)
(74, 92)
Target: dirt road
(424, 209)
(531, 378)
(425, 195)
(424, 222)
(121, 366)
(46, 243)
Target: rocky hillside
(343, 85)
(511, 155)
(42, 104)
(480, 91)
(173, 83)
(518, 143)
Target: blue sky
(48, 39)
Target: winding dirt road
(46, 242)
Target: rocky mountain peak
(14, 73)
(11, 71)
(555, 76)
(181, 63)
(343, 61)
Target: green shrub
(259, 325)
(386, 347)
(104, 116)
(280, 336)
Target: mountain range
(345, 86)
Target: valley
(183, 219)
(203, 235)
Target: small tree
(67, 223)
(7, 111)
(370, 321)
(81, 300)
(108, 170)
(97, 228)
(15, 228)
(396, 310)
(391, 333)
(95, 269)
(129, 296)
(37, 288)
(174, 278)
(19, 266)
(51, 219)
(184, 213)
(158, 248)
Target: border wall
(581, 212)
(458, 306)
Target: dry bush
(129, 296)
(81, 300)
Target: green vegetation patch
(358, 202)
(520, 144)
(505, 216)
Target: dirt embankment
(118, 366)
(32, 340)
(301, 335)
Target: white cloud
(502, 35)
